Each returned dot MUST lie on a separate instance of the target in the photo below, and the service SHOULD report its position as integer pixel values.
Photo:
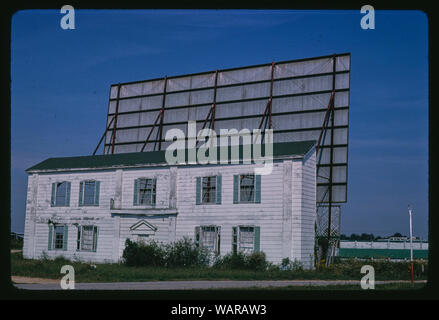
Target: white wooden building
(86, 207)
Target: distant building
(17, 236)
(391, 248)
(398, 239)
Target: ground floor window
(208, 237)
(57, 237)
(246, 239)
(87, 238)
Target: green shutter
(81, 186)
(235, 188)
(136, 191)
(97, 188)
(218, 189)
(52, 199)
(197, 236)
(218, 239)
(68, 194)
(258, 189)
(154, 183)
(257, 232)
(65, 240)
(235, 240)
(49, 247)
(95, 238)
(78, 239)
(198, 191)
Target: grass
(387, 286)
(84, 272)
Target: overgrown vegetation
(185, 254)
(384, 269)
(240, 261)
(185, 261)
(16, 243)
(180, 254)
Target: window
(60, 194)
(246, 239)
(208, 237)
(89, 193)
(58, 237)
(247, 188)
(144, 191)
(208, 190)
(87, 238)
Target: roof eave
(143, 165)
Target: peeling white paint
(286, 214)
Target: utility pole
(411, 245)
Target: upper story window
(208, 190)
(247, 188)
(57, 237)
(89, 193)
(145, 191)
(60, 194)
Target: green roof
(300, 148)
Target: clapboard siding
(162, 191)
(70, 215)
(296, 246)
(104, 244)
(285, 214)
(267, 214)
(309, 214)
(107, 182)
(29, 224)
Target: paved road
(191, 285)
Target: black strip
(342, 164)
(327, 184)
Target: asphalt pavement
(194, 285)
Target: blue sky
(61, 80)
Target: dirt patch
(17, 279)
